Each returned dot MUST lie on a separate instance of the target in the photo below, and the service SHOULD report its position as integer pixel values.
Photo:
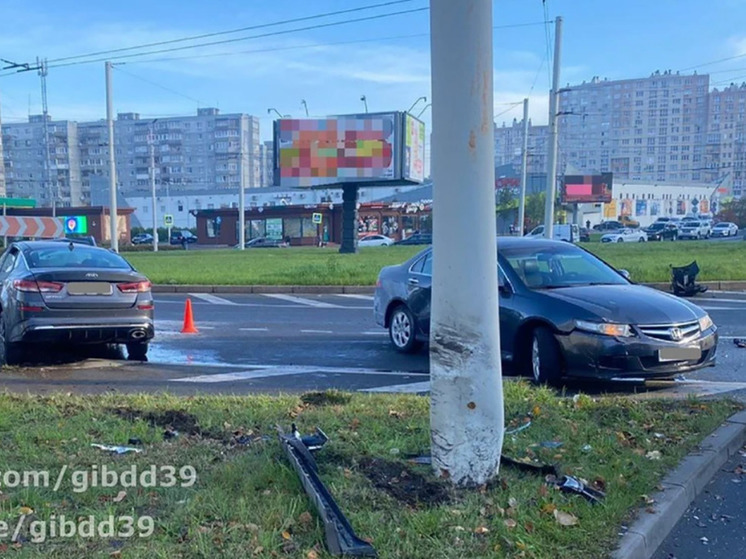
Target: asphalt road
(271, 343)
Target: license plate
(89, 288)
(679, 354)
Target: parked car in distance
(627, 221)
(563, 313)
(562, 232)
(142, 239)
(662, 231)
(725, 229)
(417, 239)
(178, 237)
(585, 235)
(694, 230)
(71, 294)
(608, 226)
(265, 242)
(625, 236)
(375, 240)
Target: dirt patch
(403, 483)
(330, 398)
(180, 421)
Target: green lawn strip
(248, 502)
(647, 262)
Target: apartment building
(27, 173)
(267, 165)
(725, 149)
(208, 150)
(509, 145)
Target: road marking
(355, 296)
(375, 333)
(316, 332)
(254, 329)
(401, 388)
(709, 308)
(262, 371)
(302, 301)
(212, 299)
(718, 300)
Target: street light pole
(112, 163)
(151, 141)
(364, 99)
(466, 396)
(524, 170)
(553, 137)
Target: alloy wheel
(535, 360)
(401, 329)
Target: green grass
(247, 500)
(647, 262)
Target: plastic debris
(551, 444)
(570, 484)
(518, 429)
(739, 342)
(169, 434)
(587, 448)
(135, 441)
(116, 449)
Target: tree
(734, 211)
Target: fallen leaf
(305, 518)
(648, 500)
(653, 455)
(266, 492)
(529, 527)
(738, 470)
(286, 535)
(543, 491)
(203, 529)
(120, 497)
(396, 414)
(482, 530)
(548, 508)
(510, 511)
(117, 553)
(251, 527)
(510, 523)
(512, 503)
(459, 528)
(521, 546)
(312, 555)
(599, 483)
(258, 550)
(347, 473)
(565, 518)
(26, 510)
(536, 411)
(354, 424)
(650, 510)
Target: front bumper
(596, 356)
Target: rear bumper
(590, 355)
(83, 331)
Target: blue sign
(77, 224)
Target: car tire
(402, 330)
(620, 240)
(11, 353)
(137, 351)
(641, 240)
(545, 357)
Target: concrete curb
(680, 488)
(369, 289)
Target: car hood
(629, 304)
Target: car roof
(24, 245)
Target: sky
(386, 59)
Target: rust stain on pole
(472, 140)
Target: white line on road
(302, 301)
(376, 333)
(232, 377)
(356, 296)
(212, 299)
(709, 308)
(401, 388)
(254, 329)
(717, 300)
(261, 371)
(316, 332)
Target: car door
(7, 264)
(510, 317)
(419, 288)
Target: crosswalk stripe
(316, 332)
(401, 388)
(212, 299)
(356, 296)
(253, 329)
(302, 301)
(262, 371)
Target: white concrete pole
(466, 413)
(152, 191)
(242, 200)
(553, 137)
(524, 170)
(112, 163)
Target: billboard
(414, 149)
(363, 148)
(583, 189)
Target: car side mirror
(625, 274)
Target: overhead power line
(230, 31)
(156, 84)
(714, 62)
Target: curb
(680, 488)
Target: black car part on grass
(683, 280)
(340, 537)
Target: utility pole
(466, 403)
(241, 194)
(151, 141)
(113, 214)
(48, 187)
(524, 170)
(553, 110)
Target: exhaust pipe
(138, 334)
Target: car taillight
(31, 286)
(134, 287)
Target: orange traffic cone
(189, 327)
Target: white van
(569, 232)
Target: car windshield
(557, 266)
(63, 256)
(692, 223)
(657, 226)
(722, 225)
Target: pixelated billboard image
(414, 149)
(354, 148)
(582, 189)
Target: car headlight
(605, 328)
(705, 323)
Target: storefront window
(291, 227)
(213, 227)
(274, 228)
(426, 224)
(390, 226)
(256, 228)
(407, 223)
(367, 224)
(310, 229)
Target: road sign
(42, 227)
(77, 224)
(316, 218)
(168, 220)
